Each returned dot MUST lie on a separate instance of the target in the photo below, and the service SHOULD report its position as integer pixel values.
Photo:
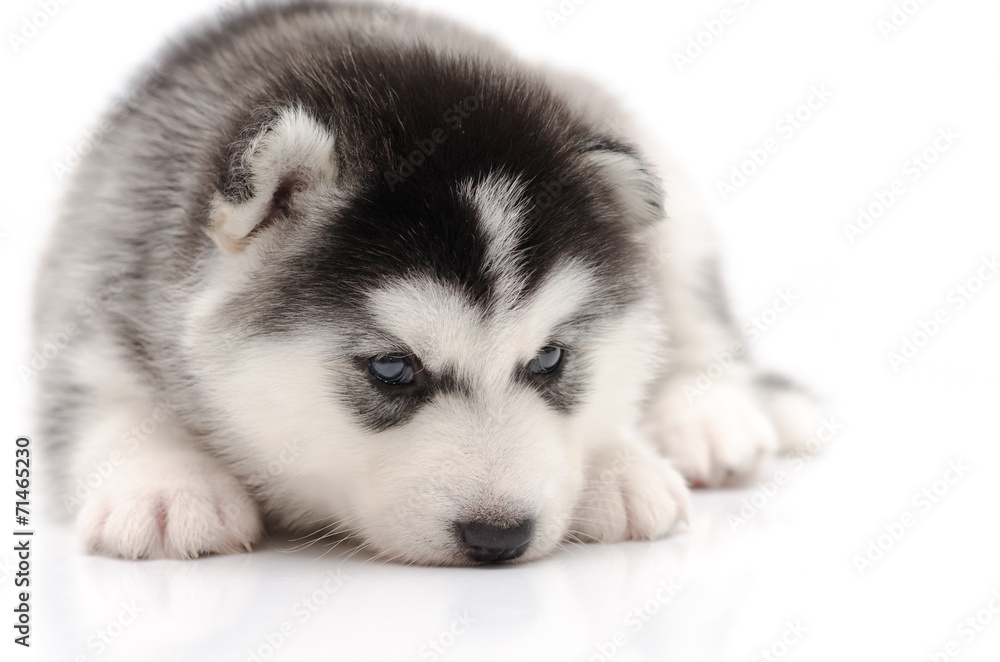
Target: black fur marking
(381, 406)
(386, 102)
(564, 388)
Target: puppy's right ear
(280, 156)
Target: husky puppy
(343, 269)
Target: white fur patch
(497, 200)
(442, 326)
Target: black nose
(489, 543)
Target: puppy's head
(428, 305)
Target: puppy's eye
(547, 361)
(394, 370)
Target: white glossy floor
(884, 546)
(783, 578)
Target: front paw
(717, 437)
(630, 494)
(179, 517)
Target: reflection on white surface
(783, 583)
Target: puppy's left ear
(634, 186)
(280, 156)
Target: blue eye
(547, 361)
(393, 370)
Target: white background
(791, 564)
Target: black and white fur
(251, 243)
